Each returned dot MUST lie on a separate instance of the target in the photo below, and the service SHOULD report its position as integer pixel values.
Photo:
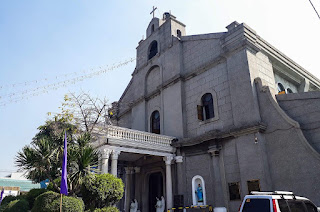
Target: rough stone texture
(193, 169)
(196, 48)
(305, 109)
(213, 80)
(153, 79)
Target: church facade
(208, 118)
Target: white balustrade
(138, 136)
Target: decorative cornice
(115, 154)
(137, 169)
(168, 160)
(179, 159)
(105, 153)
(214, 150)
(215, 134)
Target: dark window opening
(155, 122)
(289, 90)
(152, 28)
(206, 111)
(153, 49)
(281, 89)
(178, 33)
(253, 185)
(234, 191)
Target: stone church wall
(199, 50)
(125, 120)
(305, 109)
(245, 111)
(294, 163)
(172, 115)
(138, 117)
(212, 80)
(171, 62)
(261, 67)
(199, 164)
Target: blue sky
(44, 39)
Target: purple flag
(64, 184)
(1, 195)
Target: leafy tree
(86, 112)
(42, 159)
(101, 190)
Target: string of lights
(16, 96)
(46, 79)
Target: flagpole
(61, 203)
(64, 180)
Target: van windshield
(254, 205)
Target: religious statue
(160, 204)
(199, 193)
(134, 206)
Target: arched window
(281, 89)
(153, 49)
(206, 110)
(155, 122)
(289, 90)
(152, 28)
(178, 33)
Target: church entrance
(155, 189)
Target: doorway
(155, 189)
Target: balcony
(124, 137)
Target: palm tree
(83, 160)
(43, 158)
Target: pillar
(179, 160)
(105, 160)
(128, 185)
(218, 189)
(169, 203)
(137, 184)
(114, 162)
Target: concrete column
(304, 86)
(218, 189)
(169, 203)
(114, 162)
(179, 160)
(105, 160)
(128, 185)
(137, 184)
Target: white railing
(137, 136)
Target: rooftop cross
(153, 10)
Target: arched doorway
(155, 189)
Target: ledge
(215, 134)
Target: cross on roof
(153, 10)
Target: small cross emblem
(153, 10)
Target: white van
(278, 201)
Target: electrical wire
(314, 9)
